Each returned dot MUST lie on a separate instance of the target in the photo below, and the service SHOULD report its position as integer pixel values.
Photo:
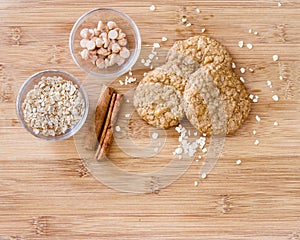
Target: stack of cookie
(198, 82)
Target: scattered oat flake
(121, 82)
(188, 25)
(152, 8)
(198, 10)
(204, 150)
(130, 73)
(243, 70)
(256, 142)
(254, 132)
(241, 44)
(118, 128)
(279, 4)
(275, 98)
(233, 65)
(249, 46)
(203, 175)
(255, 33)
(275, 58)
(251, 96)
(183, 20)
(156, 45)
(250, 30)
(242, 79)
(155, 135)
(257, 118)
(269, 83)
(238, 162)
(196, 183)
(276, 123)
(280, 77)
(164, 39)
(203, 30)
(251, 70)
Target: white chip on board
(241, 44)
(155, 135)
(118, 128)
(249, 46)
(257, 118)
(152, 8)
(256, 142)
(275, 58)
(238, 162)
(275, 98)
(276, 123)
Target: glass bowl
(90, 20)
(29, 85)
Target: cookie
(216, 101)
(168, 75)
(198, 51)
(158, 104)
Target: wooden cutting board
(47, 193)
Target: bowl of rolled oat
(52, 105)
(105, 42)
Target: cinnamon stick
(108, 136)
(100, 114)
(106, 124)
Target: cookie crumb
(257, 118)
(280, 77)
(203, 30)
(254, 132)
(203, 175)
(233, 65)
(198, 10)
(269, 84)
(238, 162)
(249, 46)
(242, 79)
(127, 115)
(250, 30)
(118, 128)
(188, 25)
(195, 183)
(279, 4)
(276, 123)
(183, 20)
(255, 33)
(256, 142)
(251, 70)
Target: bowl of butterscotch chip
(105, 42)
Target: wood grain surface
(47, 193)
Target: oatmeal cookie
(198, 51)
(167, 74)
(216, 101)
(158, 104)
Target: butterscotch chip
(215, 101)
(158, 104)
(199, 51)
